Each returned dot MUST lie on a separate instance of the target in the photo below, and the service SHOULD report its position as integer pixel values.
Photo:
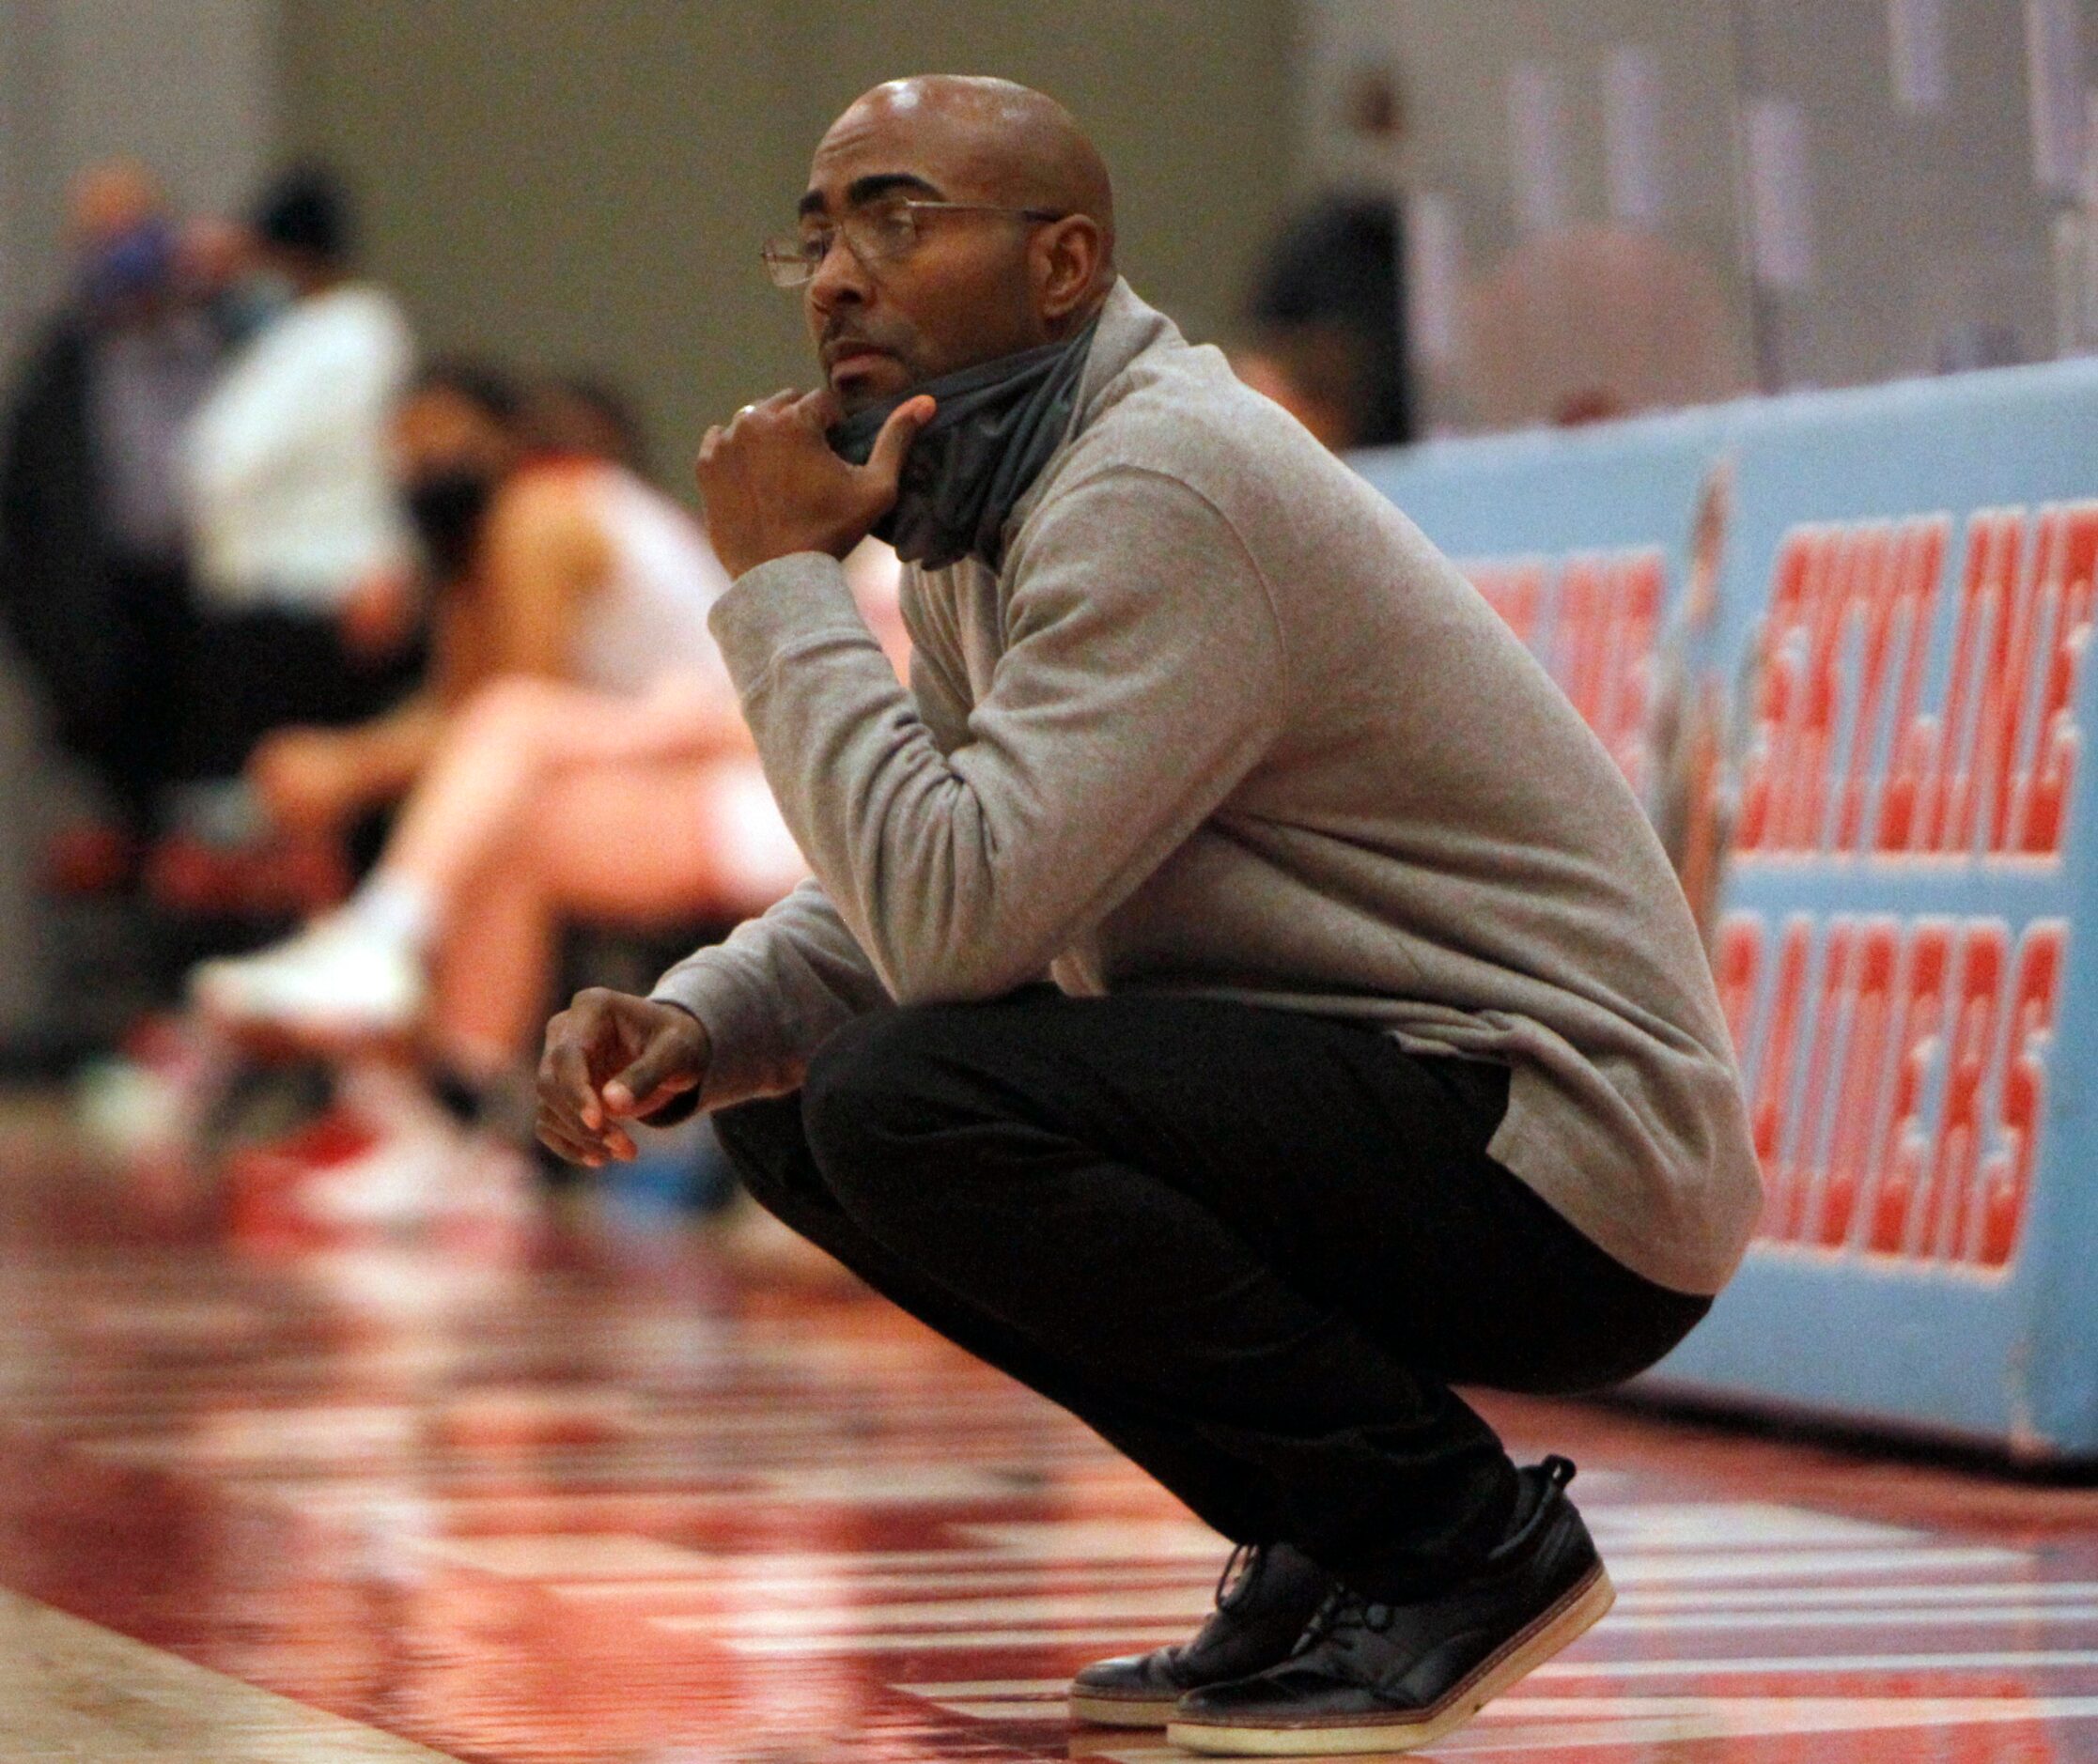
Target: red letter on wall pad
(1903, 1146)
(2007, 1176)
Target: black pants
(1252, 1250)
(252, 672)
(119, 694)
(138, 755)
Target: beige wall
(1457, 63)
(586, 181)
(1917, 234)
(186, 86)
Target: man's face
(960, 294)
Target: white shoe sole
(276, 1038)
(1122, 1712)
(1566, 1622)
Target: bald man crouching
(1238, 997)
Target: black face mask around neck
(996, 425)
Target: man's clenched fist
(611, 1056)
(772, 487)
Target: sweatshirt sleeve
(772, 994)
(1143, 676)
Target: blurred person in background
(94, 578)
(1326, 314)
(308, 792)
(1315, 374)
(577, 755)
(454, 441)
(303, 560)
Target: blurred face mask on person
(252, 303)
(128, 272)
(451, 456)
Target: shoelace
(1343, 1610)
(1244, 1558)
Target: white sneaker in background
(126, 1111)
(336, 980)
(427, 1171)
(401, 1179)
(145, 1103)
(399, 1184)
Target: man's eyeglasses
(880, 231)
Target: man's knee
(766, 1142)
(862, 1083)
(875, 1094)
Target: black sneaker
(1259, 1616)
(1380, 1677)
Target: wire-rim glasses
(874, 234)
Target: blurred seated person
(454, 449)
(595, 767)
(1317, 374)
(304, 561)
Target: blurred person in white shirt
(303, 558)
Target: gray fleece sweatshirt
(1226, 723)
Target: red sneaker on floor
(346, 1178)
(268, 1205)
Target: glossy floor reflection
(612, 1501)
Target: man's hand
(773, 485)
(609, 1057)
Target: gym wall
(588, 184)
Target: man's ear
(1067, 260)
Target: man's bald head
(1008, 241)
(996, 140)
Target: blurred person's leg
(630, 842)
(251, 672)
(245, 677)
(661, 843)
(508, 742)
(139, 757)
(485, 838)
